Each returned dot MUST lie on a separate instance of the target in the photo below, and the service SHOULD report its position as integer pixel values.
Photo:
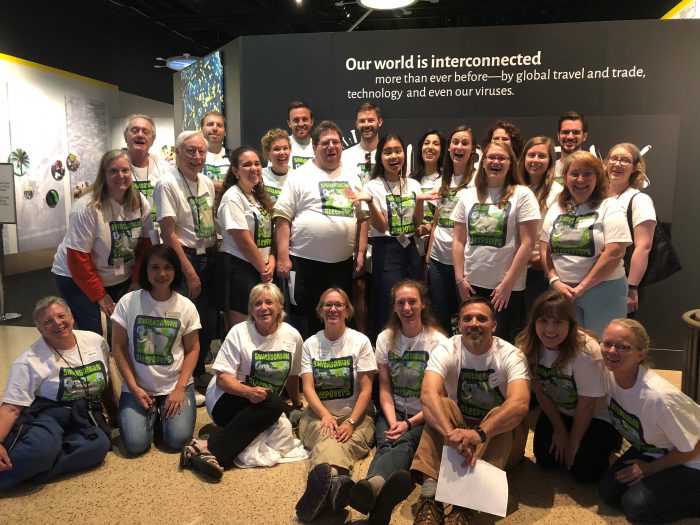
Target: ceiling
(117, 41)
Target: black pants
(593, 456)
(239, 422)
(312, 279)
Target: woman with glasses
(658, 479)
(536, 168)
(403, 350)
(495, 226)
(457, 174)
(337, 366)
(625, 168)
(583, 240)
(573, 428)
(108, 235)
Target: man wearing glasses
(572, 133)
(185, 201)
(316, 228)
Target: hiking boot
(458, 516)
(362, 497)
(318, 485)
(430, 512)
(396, 489)
(340, 491)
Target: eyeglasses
(191, 152)
(497, 158)
(622, 160)
(329, 143)
(621, 348)
(337, 306)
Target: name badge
(136, 232)
(199, 247)
(119, 267)
(495, 379)
(403, 240)
(172, 315)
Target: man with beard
(213, 126)
(573, 131)
(483, 415)
(300, 122)
(139, 135)
(361, 155)
(185, 201)
(320, 235)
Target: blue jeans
(398, 455)
(85, 312)
(50, 448)
(136, 423)
(391, 263)
(601, 304)
(443, 293)
(664, 497)
(207, 313)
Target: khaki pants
(327, 449)
(503, 451)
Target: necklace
(83, 381)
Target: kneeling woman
(51, 406)
(658, 479)
(403, 350)
(156, 346)
(573, 428)
(257, 360)
(337, 366)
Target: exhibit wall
(636, 81)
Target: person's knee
(609, 490)
(639, 504)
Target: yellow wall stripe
(74, 76)
(673, 12)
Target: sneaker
(397, 487)
(362, 497)
(458, 516)
(430, 512)
(318, 484)
(199, 399)
(340, 492)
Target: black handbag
(663, 259)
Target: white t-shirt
(397, 201)
(237, 213)
(554, 192)
(642, 206)
(576, 240)
(478, 383)
(109, 235)
(300, 153)
(323, 218)
(257, 360)
(40, 372)
(273, 182)
(492, 234)
(654, 416)
(355, 158)
(145, 179)
(441, 250)
(427, 183)
(335, 365)
(584, 375)
(191, 204)
(216, 165)
(155, 331)
(407, 363)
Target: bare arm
(551, 272)
(361, 238)
(643, 236)
(120, 348)
(459, 239)
(527, 230)
(283, 230)
(229, 384)
(436, 215)
(8, 417)
(582, 418)
(328, 423)
(173, 403)
(431, 401)
(509, 415)
(639, 469)
(292, 388)
(386, 397)
(607, 262)
(245, 243)
(360, 409)
(167, 233)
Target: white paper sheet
(485, 488)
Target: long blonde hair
(512, 177)
(99, 190)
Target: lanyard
(83, 381)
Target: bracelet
(554, 280)
(461, 280)
(632, 286)
(408, 422)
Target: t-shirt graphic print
(488, 225)
(154, 338)
(573, 235)
(334, 378)
(334, 202)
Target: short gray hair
(127, 123)
(44, 303)
(185, 135)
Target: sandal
(187, 452)
(206, 464)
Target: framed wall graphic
(8, 207)
(202, 89)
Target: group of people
(519, 254)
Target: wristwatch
(481, 433)
(351, 421)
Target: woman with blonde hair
(108, 235)
(658, 479)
